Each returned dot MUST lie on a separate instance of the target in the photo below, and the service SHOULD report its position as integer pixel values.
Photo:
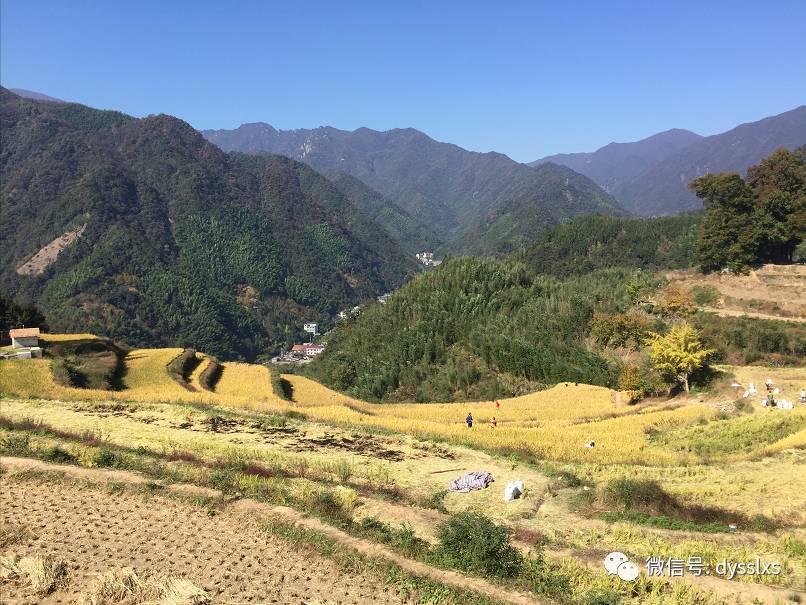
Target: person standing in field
(493, 422)
(497, 404)
(469, 420)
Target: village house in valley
(307, 349)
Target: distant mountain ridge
(650, 177)
(450, 190)
(613, 164)
(663, 189)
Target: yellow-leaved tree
(679, 353)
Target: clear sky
(523, 78)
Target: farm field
(771, 291)
(361, 464)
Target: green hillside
(179, 243)
(412, 234)
(596, 242)
(473, 329)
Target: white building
(24, 338)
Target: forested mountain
(651, 177)
(142, 230)
(411, 233)
(598, 242)
(610, 166)
(455, 192)
(511, 224)
(473, 329)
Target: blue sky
(523, 78)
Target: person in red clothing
(497, 404)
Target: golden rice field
(146, 379)
(554, 424)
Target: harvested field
(95, 531)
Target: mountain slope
(474, 328)
(518, 217)
(35, 96)
(441, 185)
(173, 240)
(595, 242)
(663, 188)
(411, 233)
(615, 163)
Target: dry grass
(42, 575)
(12, 534)
(125, 587)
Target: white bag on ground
(513, 490)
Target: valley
(288, 315)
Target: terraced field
(328, 454)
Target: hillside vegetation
(598, 242)
(473, 328)
(755, 220)
(665, 476)
(180, 243)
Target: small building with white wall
(24, 338)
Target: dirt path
(221, 552)
(737, 313)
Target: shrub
(705, 296)
(282, 387)
(57, 454)
(642, 379)
(403, 539)
(629, 494)
(181, 366)
(543, 578)
(16, 445)
(210, 374)
(436, 500)
(471, 542)
(601, 596)
(106, 458)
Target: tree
(728, 237)
(679, 353)
(757, 220)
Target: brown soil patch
(365, 445)
(95, 531)
(47, 255)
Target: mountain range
(459, 195)
(650, 177)
(142, 230)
